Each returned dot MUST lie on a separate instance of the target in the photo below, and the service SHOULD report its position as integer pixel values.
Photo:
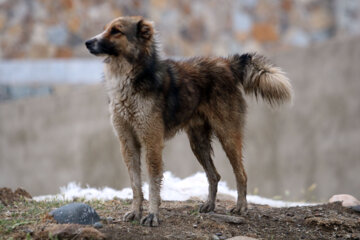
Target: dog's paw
(239, 209)
(131, 216)
(151, 220)
(207, 207)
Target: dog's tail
(259, 77)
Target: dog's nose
(88, 43)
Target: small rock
(218, 234)
(214, 237)
(241, 238)
(29, 231)
(264, 32)
(356, 208)
(345, 199)
(57, 35)
(195, 226)
(98, 225)
(79, 213)
(109, 220)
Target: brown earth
(181, 220)
(7, 196)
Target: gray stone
(214, 237)
(109, 220)
(356, 208)
(78, 213)
(346, 200)
(242, 238)
(75, 40)
(242, 22)
(98, 225)
(58, 35)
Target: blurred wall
(45, 142)
(58, 29)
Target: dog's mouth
(92, 46)
(94, 52)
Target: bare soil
(26, 218)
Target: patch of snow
(173, 189)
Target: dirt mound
(69, 231)
(7, 196)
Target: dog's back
(214, 85)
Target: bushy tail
(259, 77)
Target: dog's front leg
(131, 150)
(154, 145)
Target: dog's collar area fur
(145, 71)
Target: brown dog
(152, 98)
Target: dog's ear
(145, 29)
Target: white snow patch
(173, 189)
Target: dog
(151, 99)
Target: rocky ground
(21, 217)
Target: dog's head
(128, 37)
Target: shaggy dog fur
(152, 98)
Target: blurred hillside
(57, 29)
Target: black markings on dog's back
(172, 101)
(149, 78)
(207, 89)
(239, 64)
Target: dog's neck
(117, 74)
(117, 67)
(120, 71)
(120, 66)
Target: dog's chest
(125, 102)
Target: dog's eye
(115, 31)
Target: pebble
(345, 199)
(78, 213)
(214, 237)
(241, 238)
(356, 208)
(98, 225)
(109, 220)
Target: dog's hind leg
(200, 142)
(131, 150)
(230, 137)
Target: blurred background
(54, 121)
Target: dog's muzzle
(92, 46)
(101, 46)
